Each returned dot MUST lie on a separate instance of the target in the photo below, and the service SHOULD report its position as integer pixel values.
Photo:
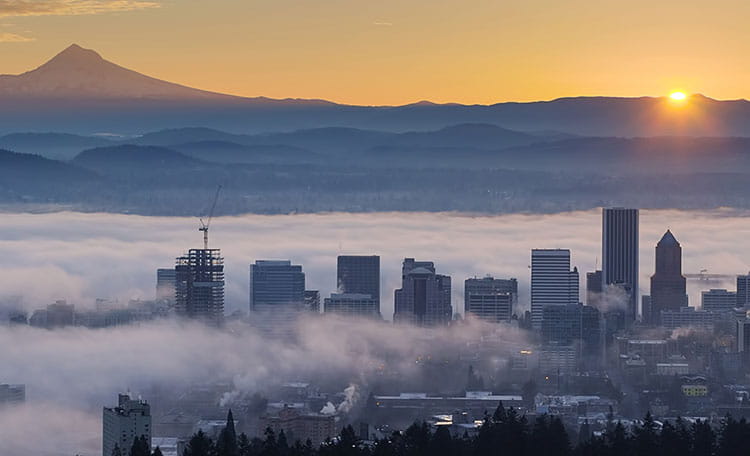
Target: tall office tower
(553, 283)
(130, 420)
(572, 324)
(199, 285)
(594, 288)
(668, 285)
(165, 283)
(352, 304)
(743, 290)
(490, 299)
(743, 335)
(620, 253)
(424, 297)
(312, 301)
(359, 274)
(721, 301)
(276, 283)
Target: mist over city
(401, 228)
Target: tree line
(505, 432)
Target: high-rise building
(312, 301)
(743, 290)
(743, 335)
(56, 315)
(199, 285)
(553, 283)
(352, 304)
(718, 300)
(572, 324)
(130, 420)
(490, 299)
(620, 253)
(165, 283)
(359, 274)
(668, 285)
(12, 394)
(424, 297)
(276, 286)
(594, 288)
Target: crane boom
(205, 225)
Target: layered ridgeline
(166, 172)
(78, 91)
(83, 132)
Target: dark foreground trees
(504, 433)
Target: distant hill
(78, 91)
(229, 152)
(51, 145)
(135, 159)
(476, 135)
(28, 178)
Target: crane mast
(207, 223)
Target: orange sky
(400, 51)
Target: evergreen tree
(243, 445)
(703, 439)
(157, 452)
(645, 436)
(226, 444)
(199, 445)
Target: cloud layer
(80, 257)
(14, 38)
(71, 373)
(11, 8)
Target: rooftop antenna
(207, 223)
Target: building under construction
(199, 285)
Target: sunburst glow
(679, 96)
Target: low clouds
(71, 373)
(14, 38)
(14, 8)
(80, 257)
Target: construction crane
(704, 276)
(207, 223)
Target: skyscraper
(490, 299)
(165, 283)
(359, 274)
(743, 290)
(312, 301)
(594, 288)
(130, 420)
(352, 304)
(718, 300)
(668, 285)
(276, 286)
(620, 253)
(424, 297)
(553, 283)
(199, 285)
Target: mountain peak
(76, 55)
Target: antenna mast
(205, 225)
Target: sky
(394, 52)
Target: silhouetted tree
(199, 445)
(226, 444)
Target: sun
(677, 96)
